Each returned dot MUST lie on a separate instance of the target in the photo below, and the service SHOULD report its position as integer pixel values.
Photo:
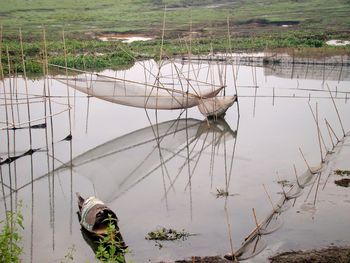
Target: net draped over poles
(139, 95)
(157, 90)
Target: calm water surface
(163, 169)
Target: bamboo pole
(318, 134)
(338, 140)
(67, 90)
(336, 109)
(296, 175)
(315, 117)
(307, 164)
(26, 88)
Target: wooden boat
(95, 218)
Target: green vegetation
(255, 25)
(91, 17)
(10, 237)
(110, 248)
(342, 172)
(167, 234)
(92, 54)
(70, 255)
(221, 193)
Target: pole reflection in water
(164, 174)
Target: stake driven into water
(26, 88)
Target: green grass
(255, 25)
(83, 18)
(92, 54)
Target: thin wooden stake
(318, 128)
(338, 140)
(66, 69)
(26, 88)
(336, 109)
(330, 135)
(296, 176)
(318, 134)
(255, 219)
(269, 197)
(163, 33)
(307, 164)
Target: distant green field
(85, 18)
(254, 25)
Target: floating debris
(165, 234)
(342, 172)
(221, 193)
(284, 182)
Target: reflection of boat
(117, 165)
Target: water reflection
(307, 70)
(119, 164)
(165, 173)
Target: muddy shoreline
(333, 254)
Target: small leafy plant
(69, 256)
(110, 248)
(221, 193)
(10, 237)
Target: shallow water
(167, 175)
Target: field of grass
(254, 25)
(81, 19)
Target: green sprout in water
(69, 256)
(165, 234)
(221, 193)
(110, 248)
(10, 238)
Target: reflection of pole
(52, 184)
(336, 109)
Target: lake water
(163, 168)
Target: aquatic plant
(167, 234)
(110, 248)
(69, 256)
(342, 172)
(221, 193)
(10, 237)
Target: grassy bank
(98, 55)
(83, 19)
(255, 25)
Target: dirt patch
(332, 254)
